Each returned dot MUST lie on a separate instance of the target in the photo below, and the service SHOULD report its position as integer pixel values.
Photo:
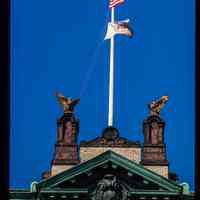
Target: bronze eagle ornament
(156, 106)
(67, 103)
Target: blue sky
(58, 46)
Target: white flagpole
(111, 80)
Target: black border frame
(5, 98)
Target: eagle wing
(75, 102)
(158, 105)
(62, 100)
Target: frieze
(110, 138)
(154, 150)
(103, 142)
(154, 157)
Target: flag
(114, 3)
(121, 27)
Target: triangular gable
(110, 156)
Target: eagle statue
(156, 106)
(67, 103)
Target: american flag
(113, 3)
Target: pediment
(110, 138)
(106, 142)
(87, 175)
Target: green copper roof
(53, 187)
(110, 156)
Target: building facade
(107, 167)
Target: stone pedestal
(66, 148)
(65, 154)
(154, 149)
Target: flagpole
(111, 78)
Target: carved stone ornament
(110, 138)
(109, 188)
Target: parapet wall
(132, 153)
